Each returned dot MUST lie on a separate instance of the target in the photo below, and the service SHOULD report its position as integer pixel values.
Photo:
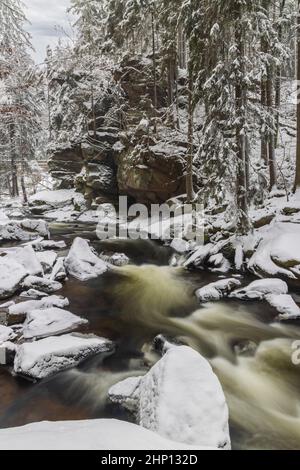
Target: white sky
(45, 16)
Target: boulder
(82, 263)
(217, 290)
(48, 356)
(42, 284)
(180, 399)
(11, 276)
(259, 290)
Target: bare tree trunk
(14, 169)
(190, 155)
(271, 137)
(25, 197)
(297, 178)
(264, 145)
(278, 78)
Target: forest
(167, 331)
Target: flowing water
(249, 351)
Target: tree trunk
(190, 156)
(271, 137)
(154, 70)
(264, 144)
(278, 78)
(13, 164)
(243, 223)
(25, 197)
(297, 178)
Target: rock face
(151, 173)
(180, 398)
(64, 165)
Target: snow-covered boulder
(217, 290)
(258, 290)
(7, 353)
(82, 262)
(42, 284)
(22, 230)
(49, 322)
(22, 309)
(11, 277)
(97, 434)
(3, 217)
(48, 356)
(33, 294)
(117, 259)
(27, 258)
(53, 199)
(285, 305)
(180, 398)
(180, 245)
(6, 334)
(40, 245)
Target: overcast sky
(45, 16)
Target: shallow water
(249, 351)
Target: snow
(6, 334)
(3, 217)
(48, 356)
(27, 258)
(285, 305)
(24, 308)
(98, 434)
(258, 290)
(217, 290)
(180, 399)
(82, 263)
(55, 199)
(11, 277)
(47, 259)
(180, 245)
(41, 283)
(51, 321)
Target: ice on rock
(97, 434)
(42, 284)
(285, 305)
(180, 399)
(258, 290)
(49, 322)
(48, 356)
(6, 334)
(82, 262)
(11, 277)
(217, 290)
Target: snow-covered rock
(27, 257)
(47, 259)
(97, 434)
(285, 305)
(40, 245)
(3, 217)
(261, 288)
(217, 290)
(59, 271)
(7, 353)
(22, 230)
(50, 322)
(11, 277)
(117, 259)
(6, 334)
(33, 294)
(42, 284)
(180, 245)
(180, 398)
(53, 199)
(24, 308)
(82, 262)
(51, 355)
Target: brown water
(249, 351)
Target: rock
(47, 259)
(41, 245)
(11, 276)
(7, 353)
(199, 256)
(48, 356)
(22, 230)
(217, 290)
(33, 294)
(50, 322)
(82, 263)
(180, 398)
(65, 164)
(259, 290)
(59, 272)
(117, 259)
(53, 199)
(27, 258)
(6, 334)
(42, 284)
(18, 312)
(285, 305)
(180, 245)
(96, 435)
